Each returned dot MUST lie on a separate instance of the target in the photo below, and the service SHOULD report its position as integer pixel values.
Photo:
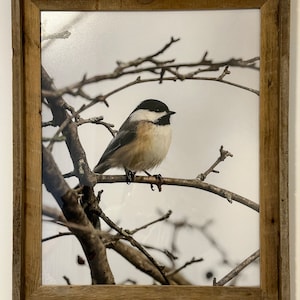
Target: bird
(142, 141)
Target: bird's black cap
(153, 105)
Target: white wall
(6, 150)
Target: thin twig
(233, 273)
(60, 35)
(192, 261)
(68, 119)
(56, 139)
(225, 73)
(49, 123)
(164, 217)
(98, 121)
(170, 255)
(223, 155)
(56, 236)
(168, 45)
(128, 281)
(67, 280)
(203, 230)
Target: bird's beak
(169, 113)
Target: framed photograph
(150, 149)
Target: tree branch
(192, 261)
(158, 68)
(223, 155)
(133, 242)
(163, 218)
(61, 117)
(52, 237)
(137, 258)
(233, 273)
(131, 254)
(92, 245)
(193, 183)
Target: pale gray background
(209, 114)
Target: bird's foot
(129, 176)
(158, 183)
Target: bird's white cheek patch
(146, 115)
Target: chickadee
(142, 141)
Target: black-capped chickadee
(142, 141)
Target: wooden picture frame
(274, 251)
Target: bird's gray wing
(125, 135)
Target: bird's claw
(129, 176)
(158, 183)
(158, 177)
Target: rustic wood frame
(274, 252)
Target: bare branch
(203, 230)
(98, 121)
(69, 129)
(128, 281)
(92, 245)
(130, 253)
(62, 127)
(67, 280)
(160, 78)
(60, 234)
(46, 124)
(225, 72)
(223, 155)
(168, 45)
(192, 261)
(169, 255)
(149, 64)
(193, 183)
(137, 258)
(233, 273)
(60, 35)
(133, 242)
(54, 139)
(164, 217)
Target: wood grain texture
(18, 153)
(273, 155)
(146, 293)
(284, 40)
(147, 4)
(273, 151)
(269, 151)
(33, 157)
